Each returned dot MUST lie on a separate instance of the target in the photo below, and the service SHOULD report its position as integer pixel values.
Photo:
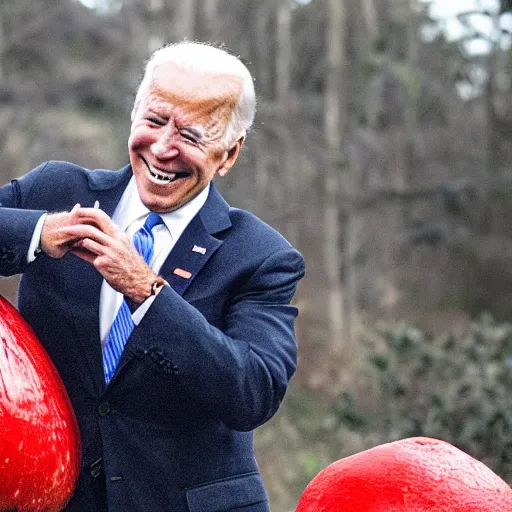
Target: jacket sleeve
(240, 373)
(17, 222)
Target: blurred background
(382, 149)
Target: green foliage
(467, 248)
(342, 163)
(312, 465)
(454, 302)
(348, 414)
(455, 390)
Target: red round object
(39, 437)
(411, 475)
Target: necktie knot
(153, 220)
(143, 239)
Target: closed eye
(191, 134)
(155, 121)
(189, 137)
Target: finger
(93, 213)
(90, 247)
(80, 231)
(97, 217)
(83, 254)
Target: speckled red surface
(39, 439)
(411, 475)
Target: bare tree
(184, 19)
(334, 124)
(2, 45)
(212, 20)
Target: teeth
(162, 177)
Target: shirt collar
(131, 209)
(179, 219)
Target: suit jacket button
(104, 409)
(96, 467)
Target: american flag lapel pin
(200, 250)
(182, 273)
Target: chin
(163, 207)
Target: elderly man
(166, 312)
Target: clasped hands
(90, 234)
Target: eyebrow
(154, 112)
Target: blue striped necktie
(123, 324)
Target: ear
(231, 156)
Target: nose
(164, 148)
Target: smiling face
(177, 139)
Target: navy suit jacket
(209, 362)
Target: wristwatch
(157, 286)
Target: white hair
(205, 58)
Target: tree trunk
(284, 54)
(184, 22)
(370, 23)
(283, 81)
(334, 120)
(212, 19)
(261, 45)
(2, 46)
(494, 158)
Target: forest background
(382, 149)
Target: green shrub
(456, 390)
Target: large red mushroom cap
(39, 438)
(417, 474)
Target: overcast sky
(445, 11)
(447, 8)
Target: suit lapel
(184, 263)
(107, 187)
(197, 244)
(83, 281)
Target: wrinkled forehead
(195, 91)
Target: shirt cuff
(35, 243)
(139, 313)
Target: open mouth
(164, 177)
